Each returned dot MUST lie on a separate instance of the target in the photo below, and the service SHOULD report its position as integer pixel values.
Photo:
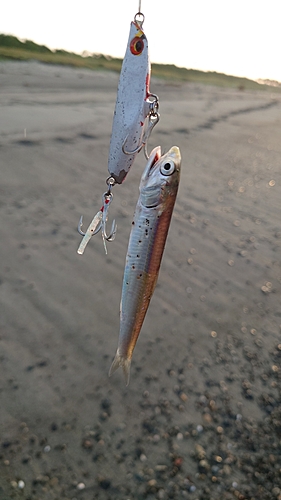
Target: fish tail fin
(124, 362)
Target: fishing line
(139, 17)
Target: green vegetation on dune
(12, 42)
(170, 71)
(62, 58)
(11, 48)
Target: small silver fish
(158, 191)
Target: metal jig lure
(136, 110)
(136, 114)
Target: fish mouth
(173, 154)
(154, 156)
(154, 180)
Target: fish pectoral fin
(125, 363)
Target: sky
(236, 37)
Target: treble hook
(99, 222)
(154, 118)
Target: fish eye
(136, 46)
(168, 168)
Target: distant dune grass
(11, 48)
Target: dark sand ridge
(201, 418)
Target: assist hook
(99, 221)
(153, 119)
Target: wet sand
(201, 418)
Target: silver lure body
(132, 105)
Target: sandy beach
(201, 418)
